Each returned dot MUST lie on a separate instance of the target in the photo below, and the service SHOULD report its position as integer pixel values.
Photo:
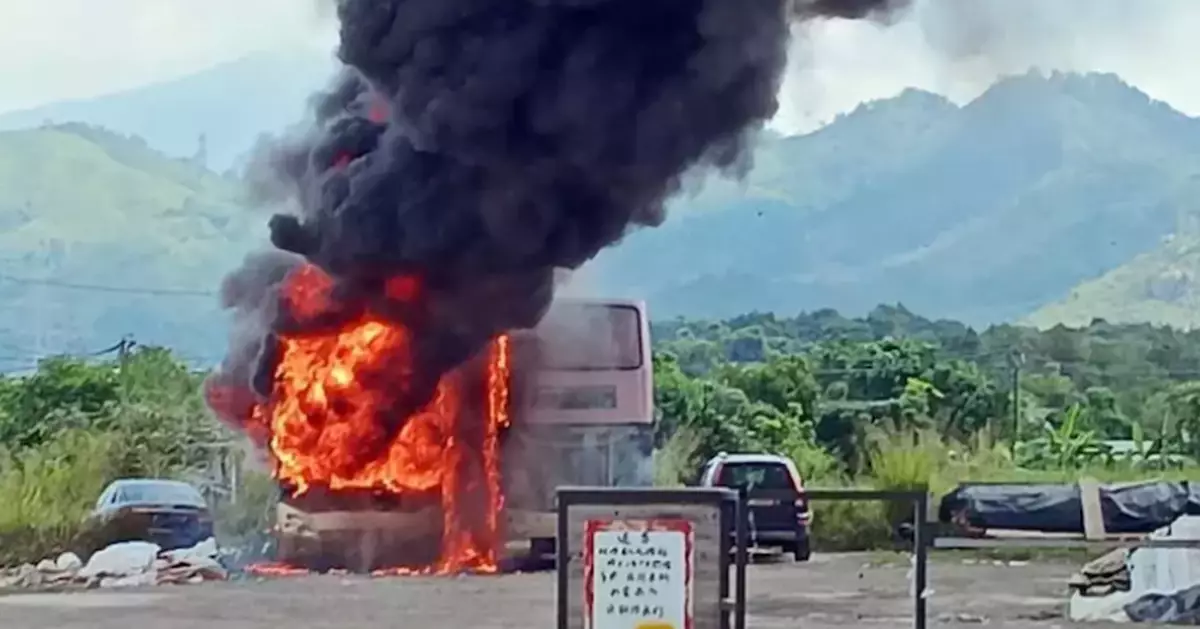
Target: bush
(842, 526)
(48, 491)
(252, 511)
(815, 464)
(678, 461)
(904, 461)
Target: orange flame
(326, 421)
(275, 570)
(498, 378)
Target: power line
(13, 363)
(103, 288)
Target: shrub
(678, 462)
(253, 509)
(48, 491)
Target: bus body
(584, 411)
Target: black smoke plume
(848, 9)
(478, 145)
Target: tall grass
(904, 461)
(677, 462)
(47, 492)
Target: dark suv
(773, 523)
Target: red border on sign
(591, 527)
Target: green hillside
(84, 206)
(1161, 287)
(983, 212)
(229, 105)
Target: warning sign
(638, 574)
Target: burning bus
(567, 403)
(465, 152)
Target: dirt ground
(830, 591)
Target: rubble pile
(125, 564)
(1146, 583)
(1103, 575)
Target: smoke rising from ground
(479, 146)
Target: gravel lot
(830, 591)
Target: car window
(756, 476)
(158, 493)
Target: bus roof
(600, 301)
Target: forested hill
(982, 213)
(229, 105)
(894, 368)
(1161, 287)
(101, 236)
(1100, 353)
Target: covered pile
(1126, 508)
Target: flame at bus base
(329, 425)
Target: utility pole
(123, 349)
(1015, 360)
(37, 293)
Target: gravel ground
(830, 591)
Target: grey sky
(959, 47)
(57, 49)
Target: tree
(148, 398)
(62, 393)
(895, 368)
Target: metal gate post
(563, 551)
(920, 558)
(742, 554)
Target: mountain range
(102, 236)
(230, 105)
(983, 212)
(1049, 198)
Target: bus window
(589, 365)
(591, 337)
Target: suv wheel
(800, 549)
